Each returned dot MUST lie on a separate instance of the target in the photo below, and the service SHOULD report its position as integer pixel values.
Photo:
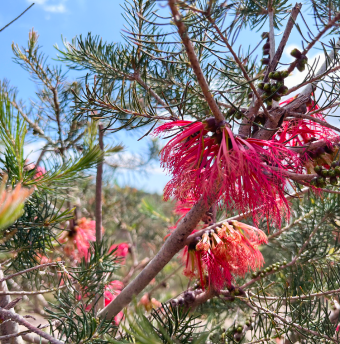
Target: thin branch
(292, 324)
(32, 124)
(194, 61)
(35, 292)
(330, 24)
(316, 78)
(155, 95)
(290, 24)
(285, 229)
(5, 314)
(28, 270)
(314, 119)
(16, 17)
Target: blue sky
(68, 18)
(53, 18)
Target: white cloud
(52, 6)
(55, 8)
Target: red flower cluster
(111, 292)
(229, 250)
(78, 240)
(122, 250)
(205, 158)
(299, 131)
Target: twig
(158, 99)
(290, 24)
(5, 314)
(291, 324)
(310, 81)
(285, 229)
(28, 270)
(99, 189)
(35, 292)
(8, 327)
(194, 61)
(16, 17)
(296, 298)
(316, 39)
(314, 119)
(32, 124)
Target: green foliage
(166, 325)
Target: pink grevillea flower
(300, 131)
(205, 158)
(79, 238)
(111, 292)
(220, 254)
(122, 250)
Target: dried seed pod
(266, 46)
(265, 35)
(266, 51)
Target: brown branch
(28, 270)
(172, 245)
(8, 315)
(194, 61)
(286, 34)
(8, 327)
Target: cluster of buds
(332, 173)
(274, 91)
(186, 299)
(271, 268)
(302, 60)
(237, 331)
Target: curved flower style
(206, 158)
(78, 240)
(226, 251)
(299, 132)
(122, 250)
